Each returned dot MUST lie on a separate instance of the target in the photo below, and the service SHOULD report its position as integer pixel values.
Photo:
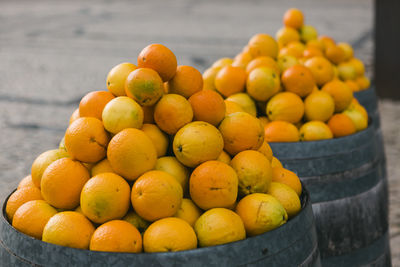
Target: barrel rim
(304, 198)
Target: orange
(131, 153)
(43, 161)
(208, 106)
(299, 80)
(287, 197)
(172, 166)
(319, 106)
(314, 131)
(172, 112)
(186, 82)
(286, 62)
(286, 35)
(93, 103)
(117, 76)
(348, 50)
(101, 167)
(293, 18)
(188, 212)
(258, 62)
(219, 226)
(62, 183)
(335, 54)
(321, 69)
(266, 150)
(232, 107)
(209, 78)
(358, 115)
(315, 43)
(281, 131)
(105, 197)
(341, 93)
(241, 131)
(156, 195)
(253, 171)
(275, 163)
(346, 71)
(122, 112)
(222, 62)
(148, 114)
(289, 178)
(196, 143)
(308, 33)
(311, 52)
(86, 140)
(245, 101)
(264, 120)
(145, 86)
(159, 58)
(160, 139)
(230, 80)
(326, 42)
(116, 236)
(213, 184)
(224, 157)
(263, 45)
(358, 66)
(31, 217)
(262, 83)
(353, 85)
(363, 82)
(341, 125)
(75, 115)
(285, 106)
(69, 229)
(242, 60)
(26, 182)
(295, 49)
(169, 234)
(137, 221)
(260, 213)
(20, 197)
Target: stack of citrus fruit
(299, 84)
(156, 164)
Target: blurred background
(54, 52)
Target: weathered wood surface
(53, 52)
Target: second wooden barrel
(349, 195)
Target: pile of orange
(157, 164)
(299, 84)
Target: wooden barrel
(349, 196)
(293, 244)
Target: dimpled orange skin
(69, 229)
(172, 112)
(263, 45)
(20, 197)
(230, 80)
(116, 236)
(341, 93)
(341, 125)
(241, 131)
(299, 80)
(145, 86)
(169, 234)
(208, 106)
(26, 182)
(321, 69)
(214, 184)
(263, 62)
(285, 106)
(131, 153)
(32, 216)
(156, 195)
(159, 58)
(62, 183)
(186, 82)
(105, 197)
(93, 103)
(281, 131)
(86, 140)
(293, 18)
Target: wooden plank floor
(53, 52)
